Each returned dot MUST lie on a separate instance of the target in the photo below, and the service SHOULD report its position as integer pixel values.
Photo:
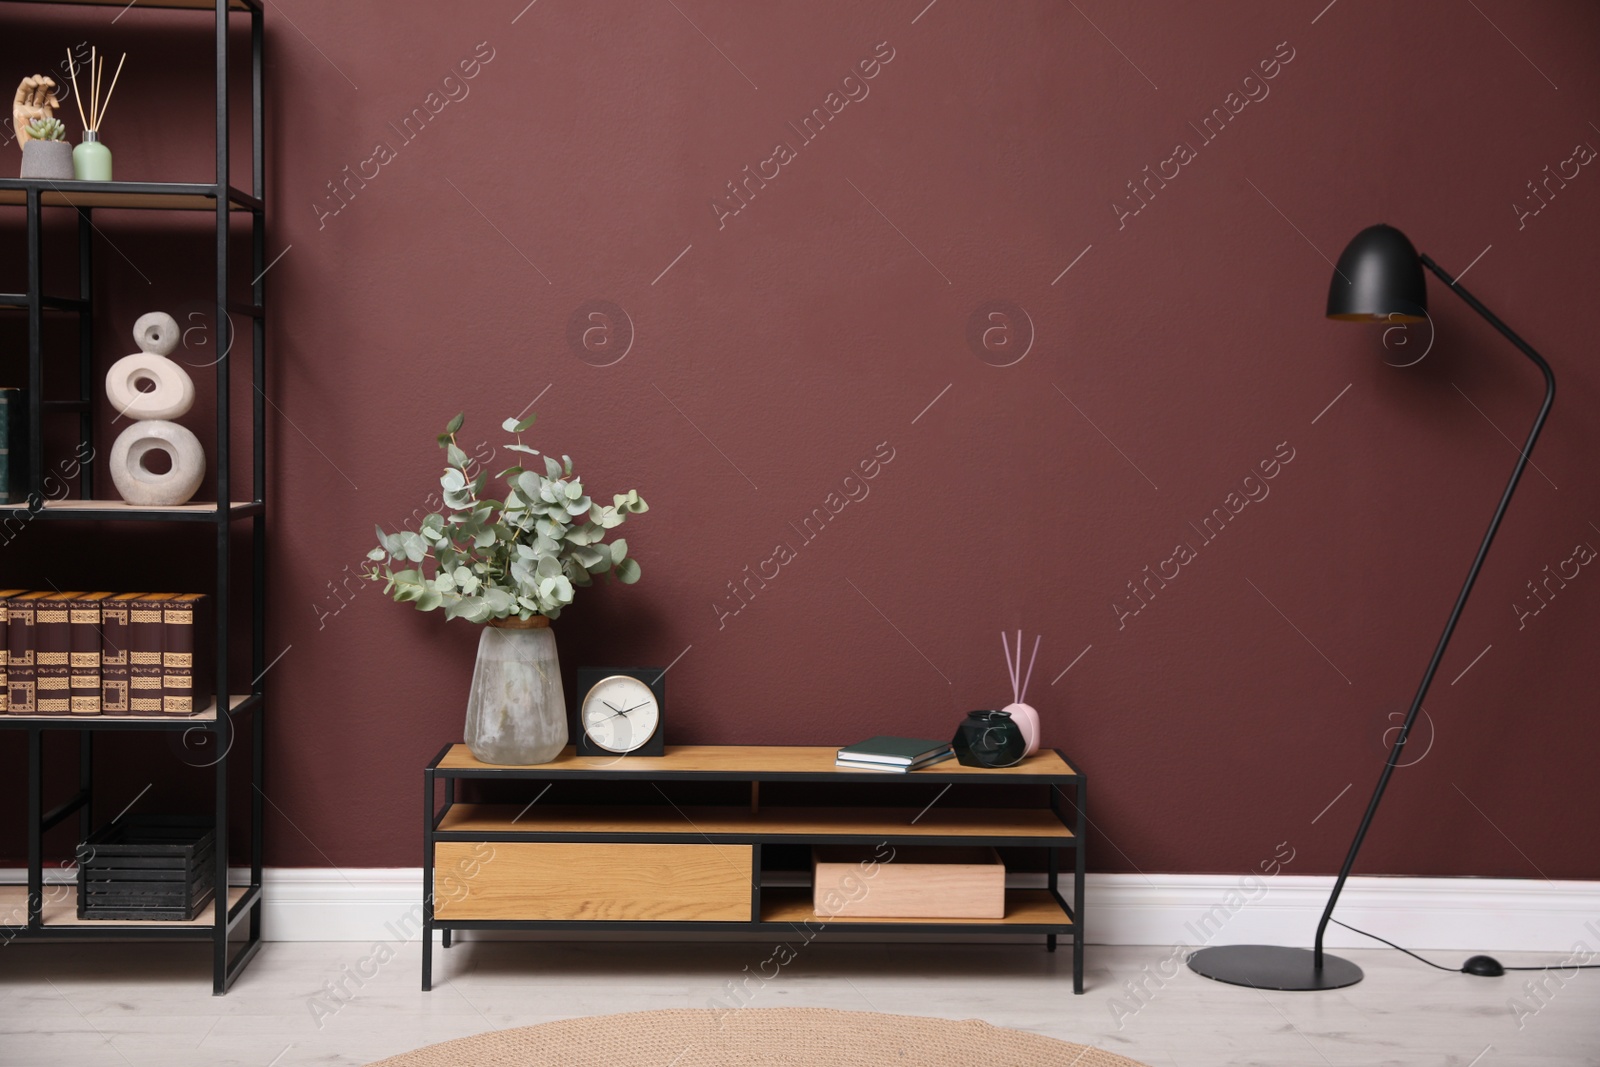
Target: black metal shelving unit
(1055, 822)
(229, 717)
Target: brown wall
(830, 319)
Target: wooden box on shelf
(916, 882)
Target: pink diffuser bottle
(1024, 715)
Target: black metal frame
(226, 722)
(1062, 788)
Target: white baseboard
(1457, 914)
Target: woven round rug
(758, 1037)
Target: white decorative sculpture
(152, 389)
(137, 483)
(148, 386)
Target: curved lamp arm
(1461, 601)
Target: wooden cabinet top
(742, 762)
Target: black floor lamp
(1379, 279)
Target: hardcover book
(5, 618)
(13, 445)
(893, 768)
(144, 653)
(20, 666)
(901, 751)
(84, 617)
(114, 653)
(52, 656)
(180, 617)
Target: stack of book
(101, 653)
(897, 755)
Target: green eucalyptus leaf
(552, 469)
(456, 457)
(628, 571)
(454, 425)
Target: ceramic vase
(1028, 719)
(516, 710)
(48, 160)
(91, 160)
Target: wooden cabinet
(721, 839)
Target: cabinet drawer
(540, 880)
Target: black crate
(147, 867)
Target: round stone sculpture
(156, 332)
(141, 486)
(147, 385)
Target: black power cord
(1481, 966)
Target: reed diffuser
(1022, 714)
(91, 160)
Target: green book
(901, 751)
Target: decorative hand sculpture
(35, 100)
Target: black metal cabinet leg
(1078, 908)
(446, 937)
(427, 878)
(1049, 942)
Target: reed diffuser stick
(94, 90)
(117, 74)
(77, 97)
(1012, 671)
(1026, 678)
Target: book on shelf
(20, 666)
(896, 751)
(114, 653)
(894, 768)
(180, 615)
(144, 653)
(52, 653)
(84, 617)
(13, 445)
(5, 626)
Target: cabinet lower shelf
(1024, 907)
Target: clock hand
(608, 704)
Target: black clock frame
(588, 677)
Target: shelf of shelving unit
(206, 717)
(121, 511)
(144, 196)
(243, 722)
(600, 853)
(60, 911)
(240, 7)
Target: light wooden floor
(136, 1005)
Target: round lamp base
(1273, 967)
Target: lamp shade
(1379, 278)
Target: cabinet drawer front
(540, 880)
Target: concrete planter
(47, 159)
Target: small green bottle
(91, 160)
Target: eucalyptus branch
(474, 561)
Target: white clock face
(620, 713)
